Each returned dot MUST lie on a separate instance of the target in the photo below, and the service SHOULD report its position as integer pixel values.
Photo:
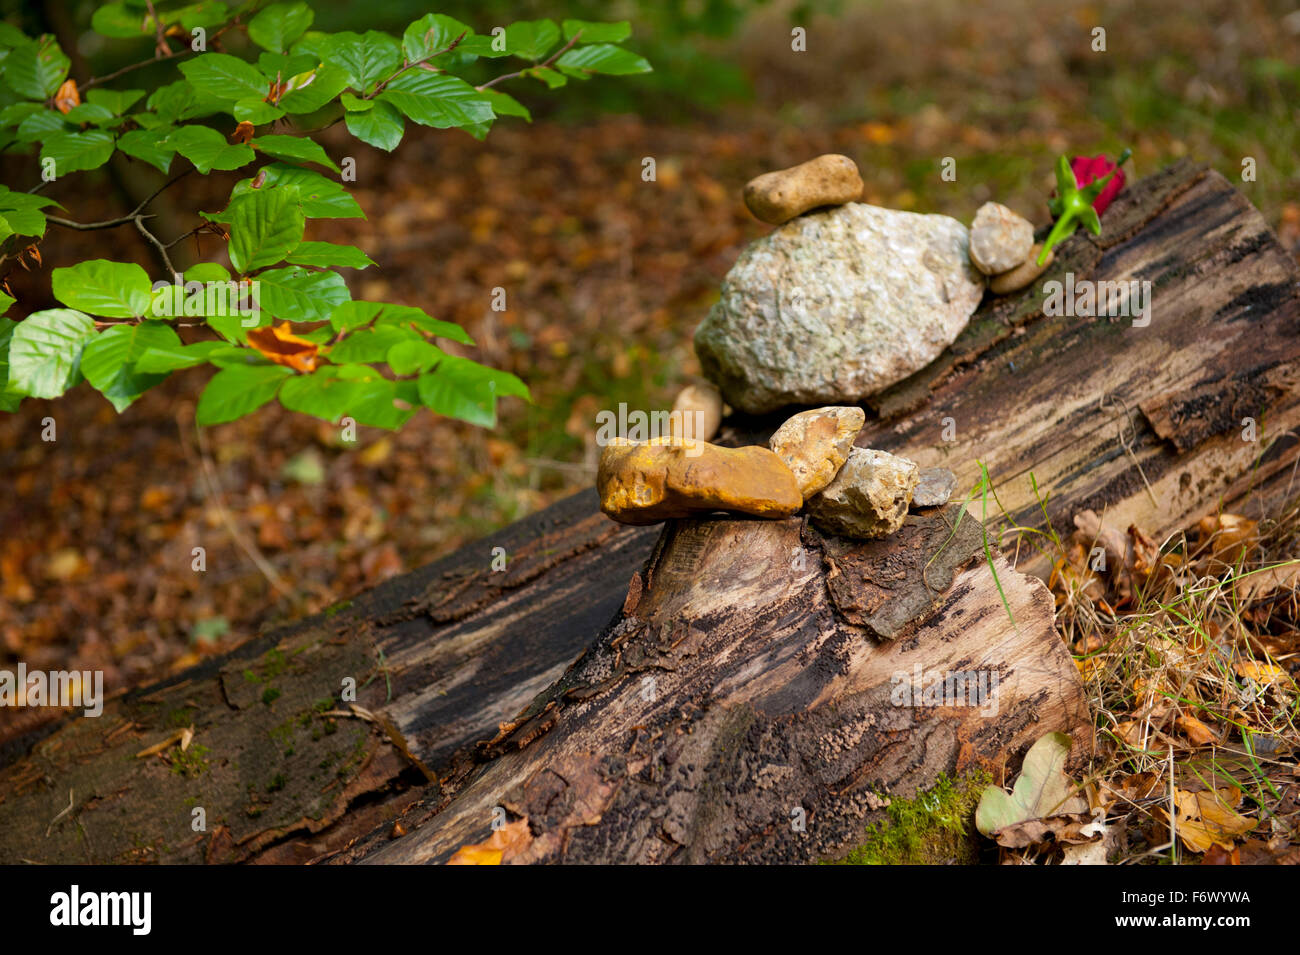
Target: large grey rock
(835, 306)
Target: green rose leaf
(45, 352)
(101, 287)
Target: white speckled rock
(999, 239)
(868, 498)
(837, 305)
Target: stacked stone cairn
(839, 302)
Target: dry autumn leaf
(1230, 535)
(1196, 732)
(67, 97)
(243, 132)
(1209, 818)
(505, 843)
(282, 346)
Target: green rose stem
(1074, 205)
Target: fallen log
(1141, 425)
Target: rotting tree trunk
(1142, 425)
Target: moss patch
(935, 828)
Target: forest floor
(606, 276)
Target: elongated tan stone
(1022, 274)
(868, 498)
(829, 180)
(648, 483)
(815, 444)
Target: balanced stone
(934, 487)
(698, 412)
(828, 180)
(815, 444)
(838, 305)
(999, 238)
(671, 477)
(868, 498)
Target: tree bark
(772, 679)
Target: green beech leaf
(73, 152)
(101, 287)
(9, 400)
(381, 126)
(164, 358)
(411, 357)
(257, 112)
(149, 145)
(532, 39)
(265, 225)
(276, 27)
(295, 294)
(208, 149)
(310, 91)
(109, 358)
(293, 148)
(121, 22)
(437, 100)
(225, 77)
(322, 197)
(45, 352)
(431, 34)
(464, 389)
(36, 69)
(603, 58)
(371, 344)
(597, 32)
(503, 104)
(116, 102)
(366, 58)
(327, 254)
(239, 390)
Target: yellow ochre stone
(669, 477)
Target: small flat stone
(868, 498)
(1023, 274)
(815, 444)
(829, 180)
(999, 238)
(649, 483)
(934, 487)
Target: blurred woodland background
(606, 277)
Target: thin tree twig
(541, 66)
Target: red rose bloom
(1090, 169)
